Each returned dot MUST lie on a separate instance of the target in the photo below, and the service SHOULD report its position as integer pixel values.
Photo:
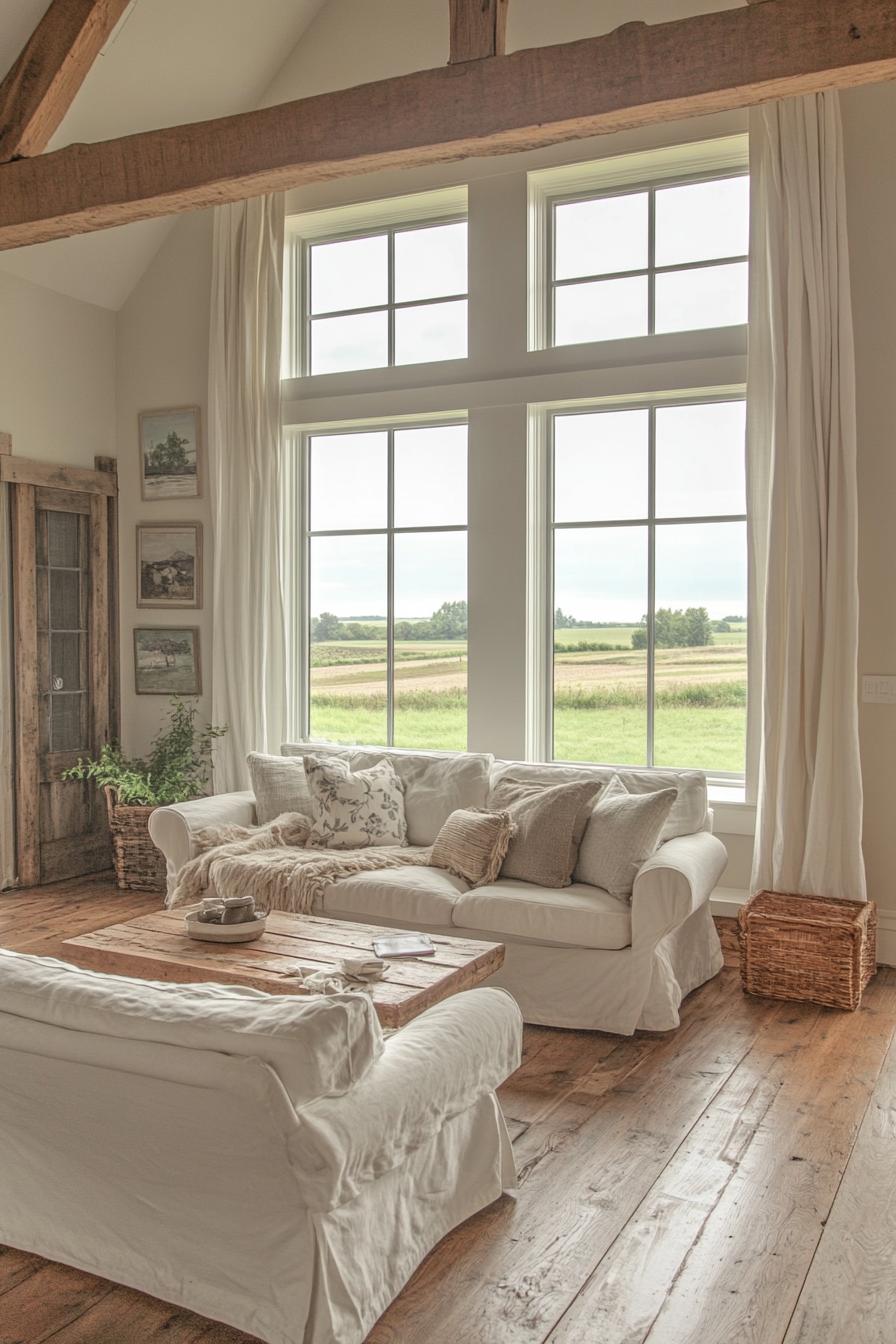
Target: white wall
(57, 374)
(162, 335)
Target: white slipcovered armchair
(229, 1151)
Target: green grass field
(600, 709)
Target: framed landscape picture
(169, 565)
(166, 660)
(171, 454)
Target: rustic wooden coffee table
(156, 947)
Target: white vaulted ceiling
(168, 62)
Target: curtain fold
(802, 502)
(249, 669)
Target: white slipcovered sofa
(233, 1152)
(576, 956)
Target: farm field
(600, 700)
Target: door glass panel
(63, 536)
(65, 599)
(66, 722)
(65, 662)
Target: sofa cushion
(435, 783)
(354, 809)
(410, 896)
(688, 812)
(318, 1046)
(473, 844)
(550, 823)
(576, 916)
(622, 833)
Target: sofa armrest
(436, 1067)
(171, 829)
(673, 883)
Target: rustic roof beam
(478, 29)
(55, 61)
(638, 75)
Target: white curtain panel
(248, 646)
(801, 467)
(7, 787)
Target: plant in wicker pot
(177, 768)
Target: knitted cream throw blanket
(272, 864)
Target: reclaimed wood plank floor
(731, 1181)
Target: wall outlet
(878, 690)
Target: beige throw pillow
(472, 844)
(550, 823)
(279, 785)
(354, 810)
(623, 831)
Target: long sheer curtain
(249, 651)
(803, 508)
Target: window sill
(732, 814)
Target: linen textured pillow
(550, 823)
(354, 810)
(472, 844)
(623, 831)
(279, 785)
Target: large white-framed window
(644, 576)
(639, 245)
(382, 599)
(377, 286)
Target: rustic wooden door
(65, 669)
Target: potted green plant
(177, 768)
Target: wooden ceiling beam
(478, 29)
(638, 75)
(41, 86)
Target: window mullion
(651, 262)
(391, 301)
(304, 503)
(390, 592)
(651, 587)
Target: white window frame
(339, 224)
(299, 442)
(541, 561)
(627, 174)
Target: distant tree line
(449, 622)
(688, 629)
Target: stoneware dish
(224, 933)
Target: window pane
(701, 638)
(63, 538)
(703, 221)
(348, 639)
(359, 342)
(600, 237)
(349, 481)
(431, 476)
(600, 668)
(714, 296)
(600, 466)
(700, 466)
(431, 640)
(431, 262)
(431, 331)
(65, 599)
(351, 274)
(602, 310)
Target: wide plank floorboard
(731, 1181)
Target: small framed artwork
(166, 660)
(171, 454)
(169, 565)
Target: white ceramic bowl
(224, 933)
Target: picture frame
(167, 660)
(170, 443)
(169, 565)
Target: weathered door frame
(97, 492)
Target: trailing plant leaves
(177, 768)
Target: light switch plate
(877, 690)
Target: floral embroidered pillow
(354, 810)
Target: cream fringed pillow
(354, 809)
(472, 844)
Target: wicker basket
(139, 866)
(812, 949)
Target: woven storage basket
(139, 866)
(814, 949)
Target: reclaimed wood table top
(156, 947)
